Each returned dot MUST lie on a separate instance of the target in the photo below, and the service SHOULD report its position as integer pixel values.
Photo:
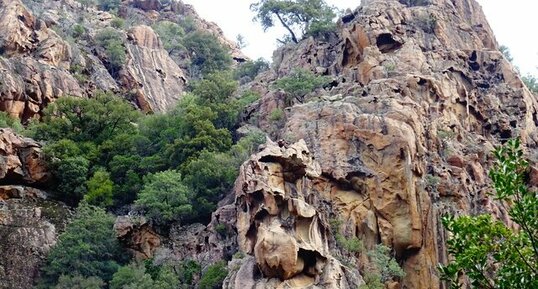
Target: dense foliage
(300, 82)
(298, 17)
(88, 248)
(485, 250)
(213, 276)
(112, 41)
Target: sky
(514, 25)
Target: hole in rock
(474, 66)
(386, 43)
(473, 56)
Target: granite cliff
(419, 94)
(401, 136)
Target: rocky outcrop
(21, 160)
(33, 63)
(38, 64)
(403, 134)
(283, 208)
(155, 79)
(137, 235)
(29, 223)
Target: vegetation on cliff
(487, 251)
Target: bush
(213, 276)
(100, 189)
(78, 31)
(299, 83)
(117, 23)
(247, 71)
(276, 115)
(6, 121)
(109, 5)
(112, 41)
(87, 248)
(79, 282)
(207, 54)
(171, 34)
(165, 198)
(382, 268)
(71, 175)
(134, 276)
(85, 120)
(209, 177)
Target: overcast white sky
(514, 23)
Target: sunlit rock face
(401, 136)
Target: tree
(112, 41)
(485, 250)
(135, 276)
(100, 189)
(109, 5)
(79, 282)
(165, 198)
(87, 248)
(85, 120)
(299, 83)
(171, 34)
(213, 276)
(207, 54)
(241, 41)
(298, 17)
(506, 52)
(531, 82)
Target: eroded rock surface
(137, 235)
(420, 96)
(29, 222)
(283, 213)
(155, 78)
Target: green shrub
(100, 189)
(276, 115)
(134, 276)
(213, 276)
(207, 54)
(78, 30)
(165, 198)
(187, 270)
(247, 71)
(299, 83)
(6, 121)
(87, 248)
(71, 174)
(112, 41)
(209, 176)
(109, 5)
(382, 268)
(79, 282)
(171, 35)
(117, 23)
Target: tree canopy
(298, 17)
